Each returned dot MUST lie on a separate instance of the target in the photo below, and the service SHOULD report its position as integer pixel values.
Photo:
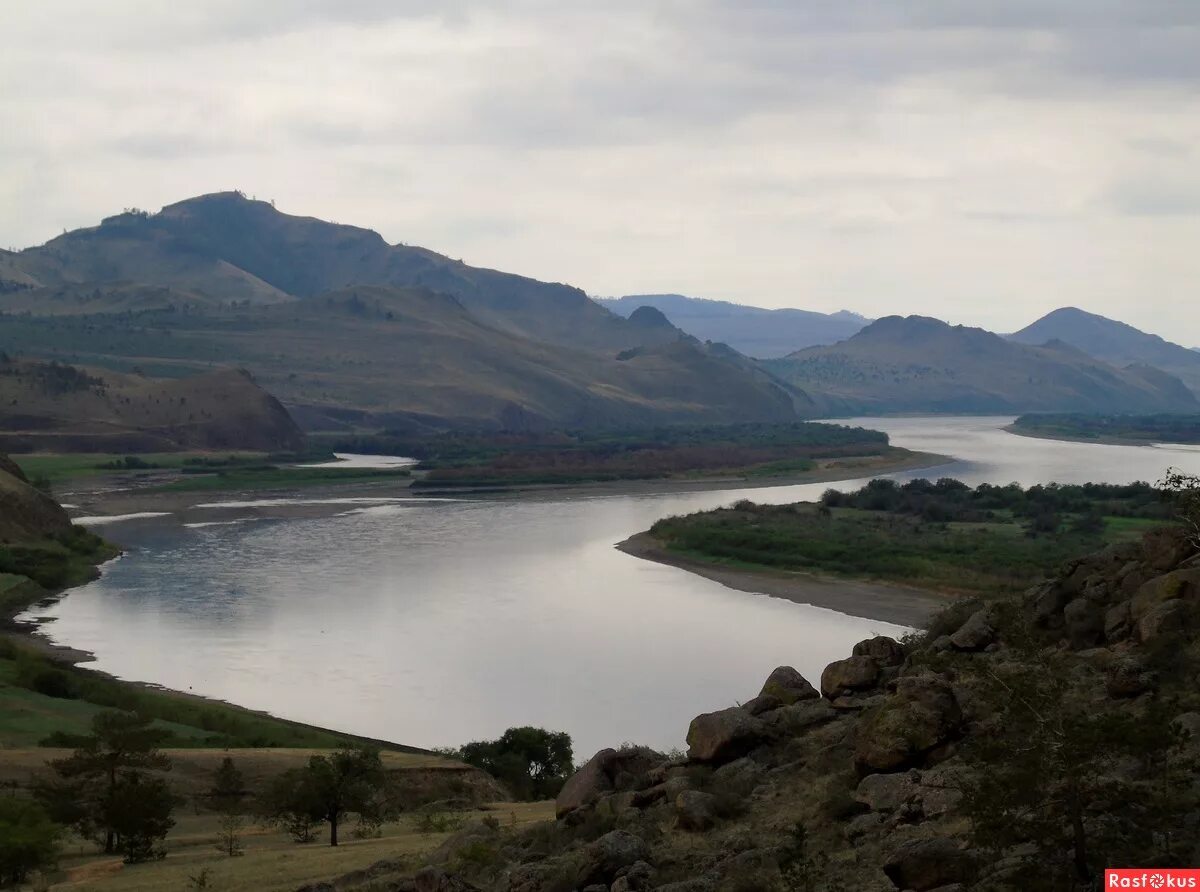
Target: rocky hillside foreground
(1023, 744)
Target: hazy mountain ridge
(755, 331)
(1114, 342)
(924, 365)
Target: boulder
(695, 811)
(610, 853)
(799, 718)
(1127, 677)
(722, 736)
(886, 792)
(609, 771)
(1168, 587)
(925, 864)
(1083, 623)
(788, 686)
(762, 703)
(1166, 548)
(976, 633)
(1046, 602)
(637, 877)
(1117, 622)
(886, 651)
(434, 879)
(847, 676)
(1161, 620)
(919, 719)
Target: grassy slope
(975, 558)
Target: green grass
(30, 717)
(58, 467)
(990, 557)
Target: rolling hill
(25, 513)
(61, 408)
(755, 331)
(348, 330)
(1113, 342)
(918, 364)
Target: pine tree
(227, 798)
(90, 792)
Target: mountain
(918, 364)
(755, 331)
(348, 330)
(1114, 342)
(54, 407)
(225, 245)
(25, 513)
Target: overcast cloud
(983, 161)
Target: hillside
(230, 247)
(54, 407)
(1113, 342)
(25, 513)
(918, 364)
(754, 331)
(348, 330)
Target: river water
(434, 622)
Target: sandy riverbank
(886, 602)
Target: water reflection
(436, 622)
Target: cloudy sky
(982, 161)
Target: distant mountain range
(348, 330)
(918, 364)
(754, 331)
(1114, 342)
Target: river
(435, 622)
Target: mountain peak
(1114, 342)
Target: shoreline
(189, 506)
(122, 502)
(1095, 441)
(867, 599)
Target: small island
(747, 454)
(901, 551)
(1118, 430)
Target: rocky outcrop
(609, 771)
(850, 676)
(925, 864)
(722, 736)
(787, 686)
(922, 716)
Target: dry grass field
(271, 860)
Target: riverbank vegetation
(513, 459)
(1160, 428)
(945, 535)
